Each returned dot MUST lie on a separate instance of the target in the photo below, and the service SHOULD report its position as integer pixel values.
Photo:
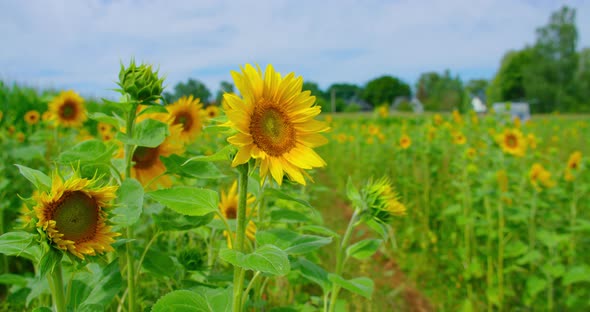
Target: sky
(80, 44)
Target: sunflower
(211, 111)
(20, 137)
(228, 205)
(405, 141)
(73, 214)
(531, 141)
(471, 153)
(275, 124)
(32, 117)
(457, 118)
(186, 113)
(383, 111)
(573, 164)
(459, 138)
(147, 165)
(383, 200)
(512, 142)
(104, 128)
(68, 109)
(431, 133)
(539, 176)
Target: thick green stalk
(532, 224)
(240, 235)
(501, 223)
(128, 248)
(57, 288)
(490, 270)
(340, 258)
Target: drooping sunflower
(539, 176)
(73, 214)
(211, 111)
(32, 117)
(228, 205)
(186, 113)
(147, 168)
(405, 141)
(382, 200)
(67, 109)
(512, 142)
(275, 123)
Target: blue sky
(79, 44)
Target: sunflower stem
(340, 259)
(57, 288)
(240, 234)
(129, 250)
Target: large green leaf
(51, 258)
(39, 179)
(13, 279)
(312, 272)
(291, 242)
(96, 287)
(268, 259)
(20, 244)
(363, 249)
(194, 169)
(361, 285)
(274, 193)
(221, 155)
(91, 151)
(148, 133)
(580, 273)
(181, 301)
(159, 263)
(130, 203)
(169, 220)
(186, 200)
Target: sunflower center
(211, 113)
(511, 141)
(231, 212)
(76, 217)
(272, 131)
(68, 110)
(574, 165)
(145, 157)
(184, 119)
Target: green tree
(384, 90)
(509, 82)
(425, 85)
(476, 86)
(322, 98)
(192, 87)
(345, 91)
(582, 81)
(440, 92)
(224, 87)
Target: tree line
(551, 75)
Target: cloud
(67, 44)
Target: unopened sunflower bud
(141, 83)
(382, 200)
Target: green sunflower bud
(382, 200)
(141, 83)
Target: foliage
(440, 92)
(384, 89)
(192, 87)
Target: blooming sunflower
(68, 109)
(228, 205)
(457, 118)
(73, 214)
(471, 153)
(531, 141)
(405, 141)
(438, 120)
(104, 128)
(32, 117)
(147, 165)
(211, 111)
(512, 142)
(459, 138)
(275, 123)
(186, 113)
(539, 176)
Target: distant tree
(224, 87)
(476, 86)
(440, 92)
(509, 82)
(192, 87)
(384, 90)
(582, 81)
(314, 88)
(345, 91)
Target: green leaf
(42, 309)
(266, 259)
(580, 273)
(274, 193)
(379, 228)
(534, 285)
(363, 249)
(318, 229)
(288, 216)
(195, 169)
(154, 109)
(105, 284)
(159, 263)
(148, 133)
(170, 220)
(555, 270)
(13, 279)
(515, 249)
(104, 118)
(186, 200)
(39, 179)
(49, 260)
(91, 151)
(352, 193)
(530, 257)
(181, 301)
(451, 210)
(221, 155)
(20, 244)
(291, 242)
(312, 272)
(218, 299)
(361, 285)
(130, 203)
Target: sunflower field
(263, 203)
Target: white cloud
(80, 43)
